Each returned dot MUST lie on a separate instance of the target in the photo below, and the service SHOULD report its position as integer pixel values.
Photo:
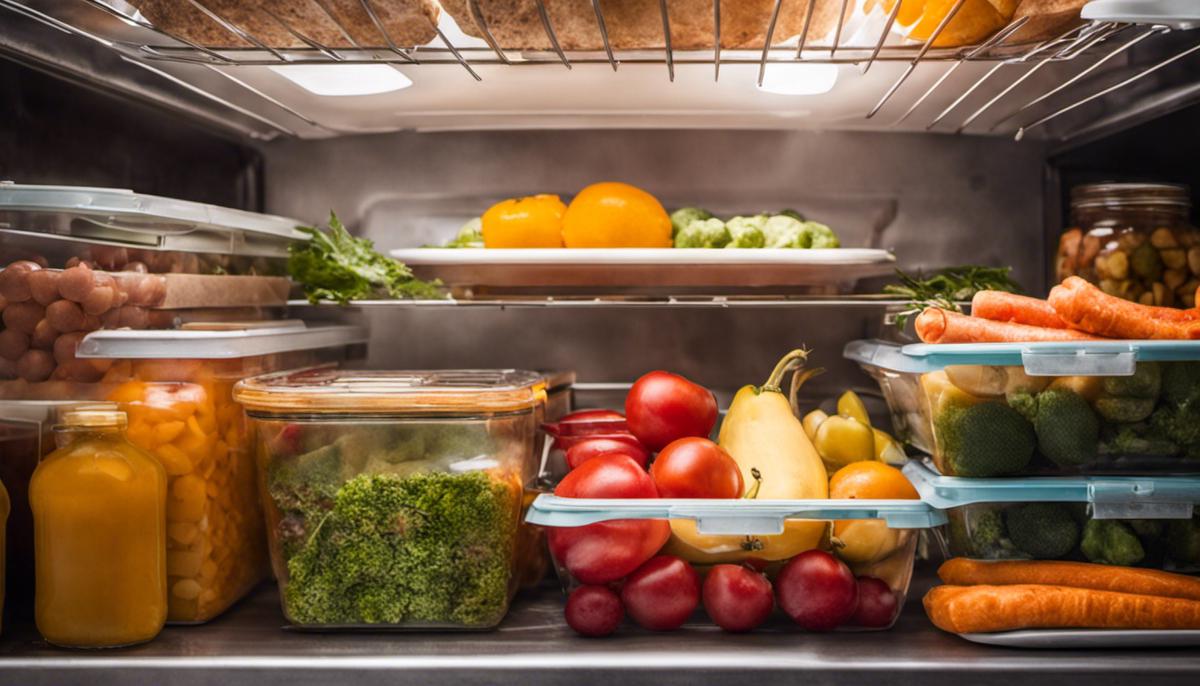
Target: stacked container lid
(1087, 451)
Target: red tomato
(737, 598)
(594, 611)
(817, 590)
(663, 407)
(587, 422)
(662, 593)
(606, 551)
(590, 447)
(696, 468)
(877, 604)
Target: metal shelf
(862, 302)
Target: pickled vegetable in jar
(1133, 240)
(99, 518)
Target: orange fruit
(531, 222)
(871, 481)
(975, 21)
(616, 215)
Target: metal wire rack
(1101, 43)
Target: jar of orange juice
(99, 520)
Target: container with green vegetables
(394, 499)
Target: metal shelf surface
(627, 302)
(533, 646)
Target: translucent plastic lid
(1178, 14)
(120, 216)
(222, 344)
(1072, 358)
(735, 517)
(446, 392)
(1111, 497)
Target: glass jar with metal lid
(1134, 241)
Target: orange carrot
(1090, 309)
(1001, 306)
(935, 325)
(961, 571)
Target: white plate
(1089, 638)
(828, 270)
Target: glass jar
(99, 517)
(1134, 241)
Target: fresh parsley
(946, 288)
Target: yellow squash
(778, 461)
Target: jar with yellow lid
(1134, 241)
(99, 516)
(395, 499)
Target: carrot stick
(982, 609)
(935, 325)
(1001, 306)
(963, 572)
(1086, 307)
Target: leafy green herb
(946, 288)
(336, 266)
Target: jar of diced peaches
(1134, 241)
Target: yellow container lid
(325, 390)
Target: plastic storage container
(998, 409)
(394, 499)
(99, 510)
(1129, 521)
(880, 539)
(1134, 241)
(180, 409)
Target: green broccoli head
(703, 233)
(821, 236)
(1044, 531)
(978, 531)
(1181, 382)
(1068, 432)
(986, 439)
(1111, 542)
(1183, 540)
(431, 549)
(683, 216)
(1179, 423)
(470, 235)
(1139, 438)
(1124, 410)
(1148, 530)
(1146, 382)
(746, 232)
(782, 231)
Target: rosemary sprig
(946, 288)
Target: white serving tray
(1088, 638)
(833, 269)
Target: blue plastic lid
(1111, 497)
(736, 517)
(1073, 358)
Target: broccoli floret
(821, 236)
(789, 212)
(1179, 423)
(746, 232)
(1023, 402)
(1181, 382)
(1068, 432)
(429, 548)
(1183, 540)
(470, 235)
(978, 531)
(986, 439)
(1146, 382)
(683, 216)
(703, 233)
(1124, 410)
(1148, 530)
(1045, 531)
(1111, 542)
(1136, 439)
(786, 232)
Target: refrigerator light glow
(799, 79)
(344, 79)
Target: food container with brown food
(1134, 241)
(176, 389)
(1138, 521)
(394, 498)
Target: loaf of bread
(331, 23)
(637, 24)
(1047, 19)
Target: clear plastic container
(875, 538)
(1004, 409)
(99, 508)
(394, 499)
(1128, 521)
(181, 410)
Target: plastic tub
(1128, 521)
(180, 409)
(888, 529)
(1003, 409)
(393, 499)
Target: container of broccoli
(394, 500)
